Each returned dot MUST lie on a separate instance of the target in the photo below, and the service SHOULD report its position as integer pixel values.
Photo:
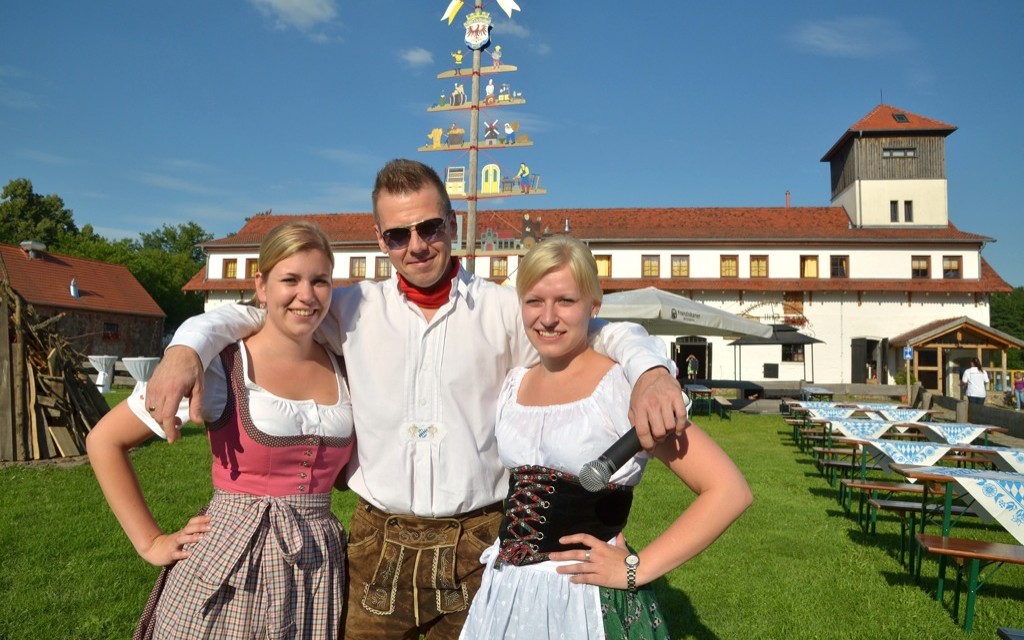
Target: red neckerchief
(431, 297)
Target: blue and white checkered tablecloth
(864, 429)
(951, 432)
(902, 415)
(998, 495)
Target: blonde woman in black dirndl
(561, 567)
(266, 559)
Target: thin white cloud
(7, 71)
(851, 37)
(510, 28)
(177, 184)
(348, 158)
(188, 165)
(43, 157)
(299, 14)
(17, 98)
(417, 57)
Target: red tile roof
(882, 120)
(46, 280)
(731, 225)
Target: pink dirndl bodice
(246, 460)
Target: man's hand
(656, 407)
(179, 375)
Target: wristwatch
(632, 562)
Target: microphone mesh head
(594, 475)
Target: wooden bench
(722, 407)
(903, 508)
(848, 485)
(979, 555)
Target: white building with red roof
(861, 275)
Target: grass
(794, 566)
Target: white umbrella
(664, 313)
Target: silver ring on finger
(587, 556)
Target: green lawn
(794, 566)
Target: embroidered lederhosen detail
(544, 504)
(231, 358)
(430, 540)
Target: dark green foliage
(26, 215)
(1007, 315)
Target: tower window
(908, 211)
(900, 117)
(894, 211)
(902, 152)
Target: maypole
(488, 181)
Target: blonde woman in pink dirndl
(265, 558)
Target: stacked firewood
(47, 402)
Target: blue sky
(140, 114)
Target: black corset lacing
(544, 504)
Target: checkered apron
(271, 567)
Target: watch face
(632, 560)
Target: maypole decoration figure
(468, 181)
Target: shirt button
(309, 452)
(303, 475)
(302, 487)
(305, 463)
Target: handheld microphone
(595, 475)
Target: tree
(26, 215)
(182, 239)
(163, 274)
(1007, 315)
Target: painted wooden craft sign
(484, 132)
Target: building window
(902, 152)
(792, 353)
(357, 267)
(383, 268)
(250, 267)
(111, 331)
(894, 211)
(604, 266)
(499, 267)
(758, 266)
(230, 268)
(808, 266)
(839, 266)
(951, 268)
(729, 266)
(908, 211)
(651, 266)
(680, 266)
(920, 267)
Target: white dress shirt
(424, 395)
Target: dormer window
(900, 117)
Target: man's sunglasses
(428, 231)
